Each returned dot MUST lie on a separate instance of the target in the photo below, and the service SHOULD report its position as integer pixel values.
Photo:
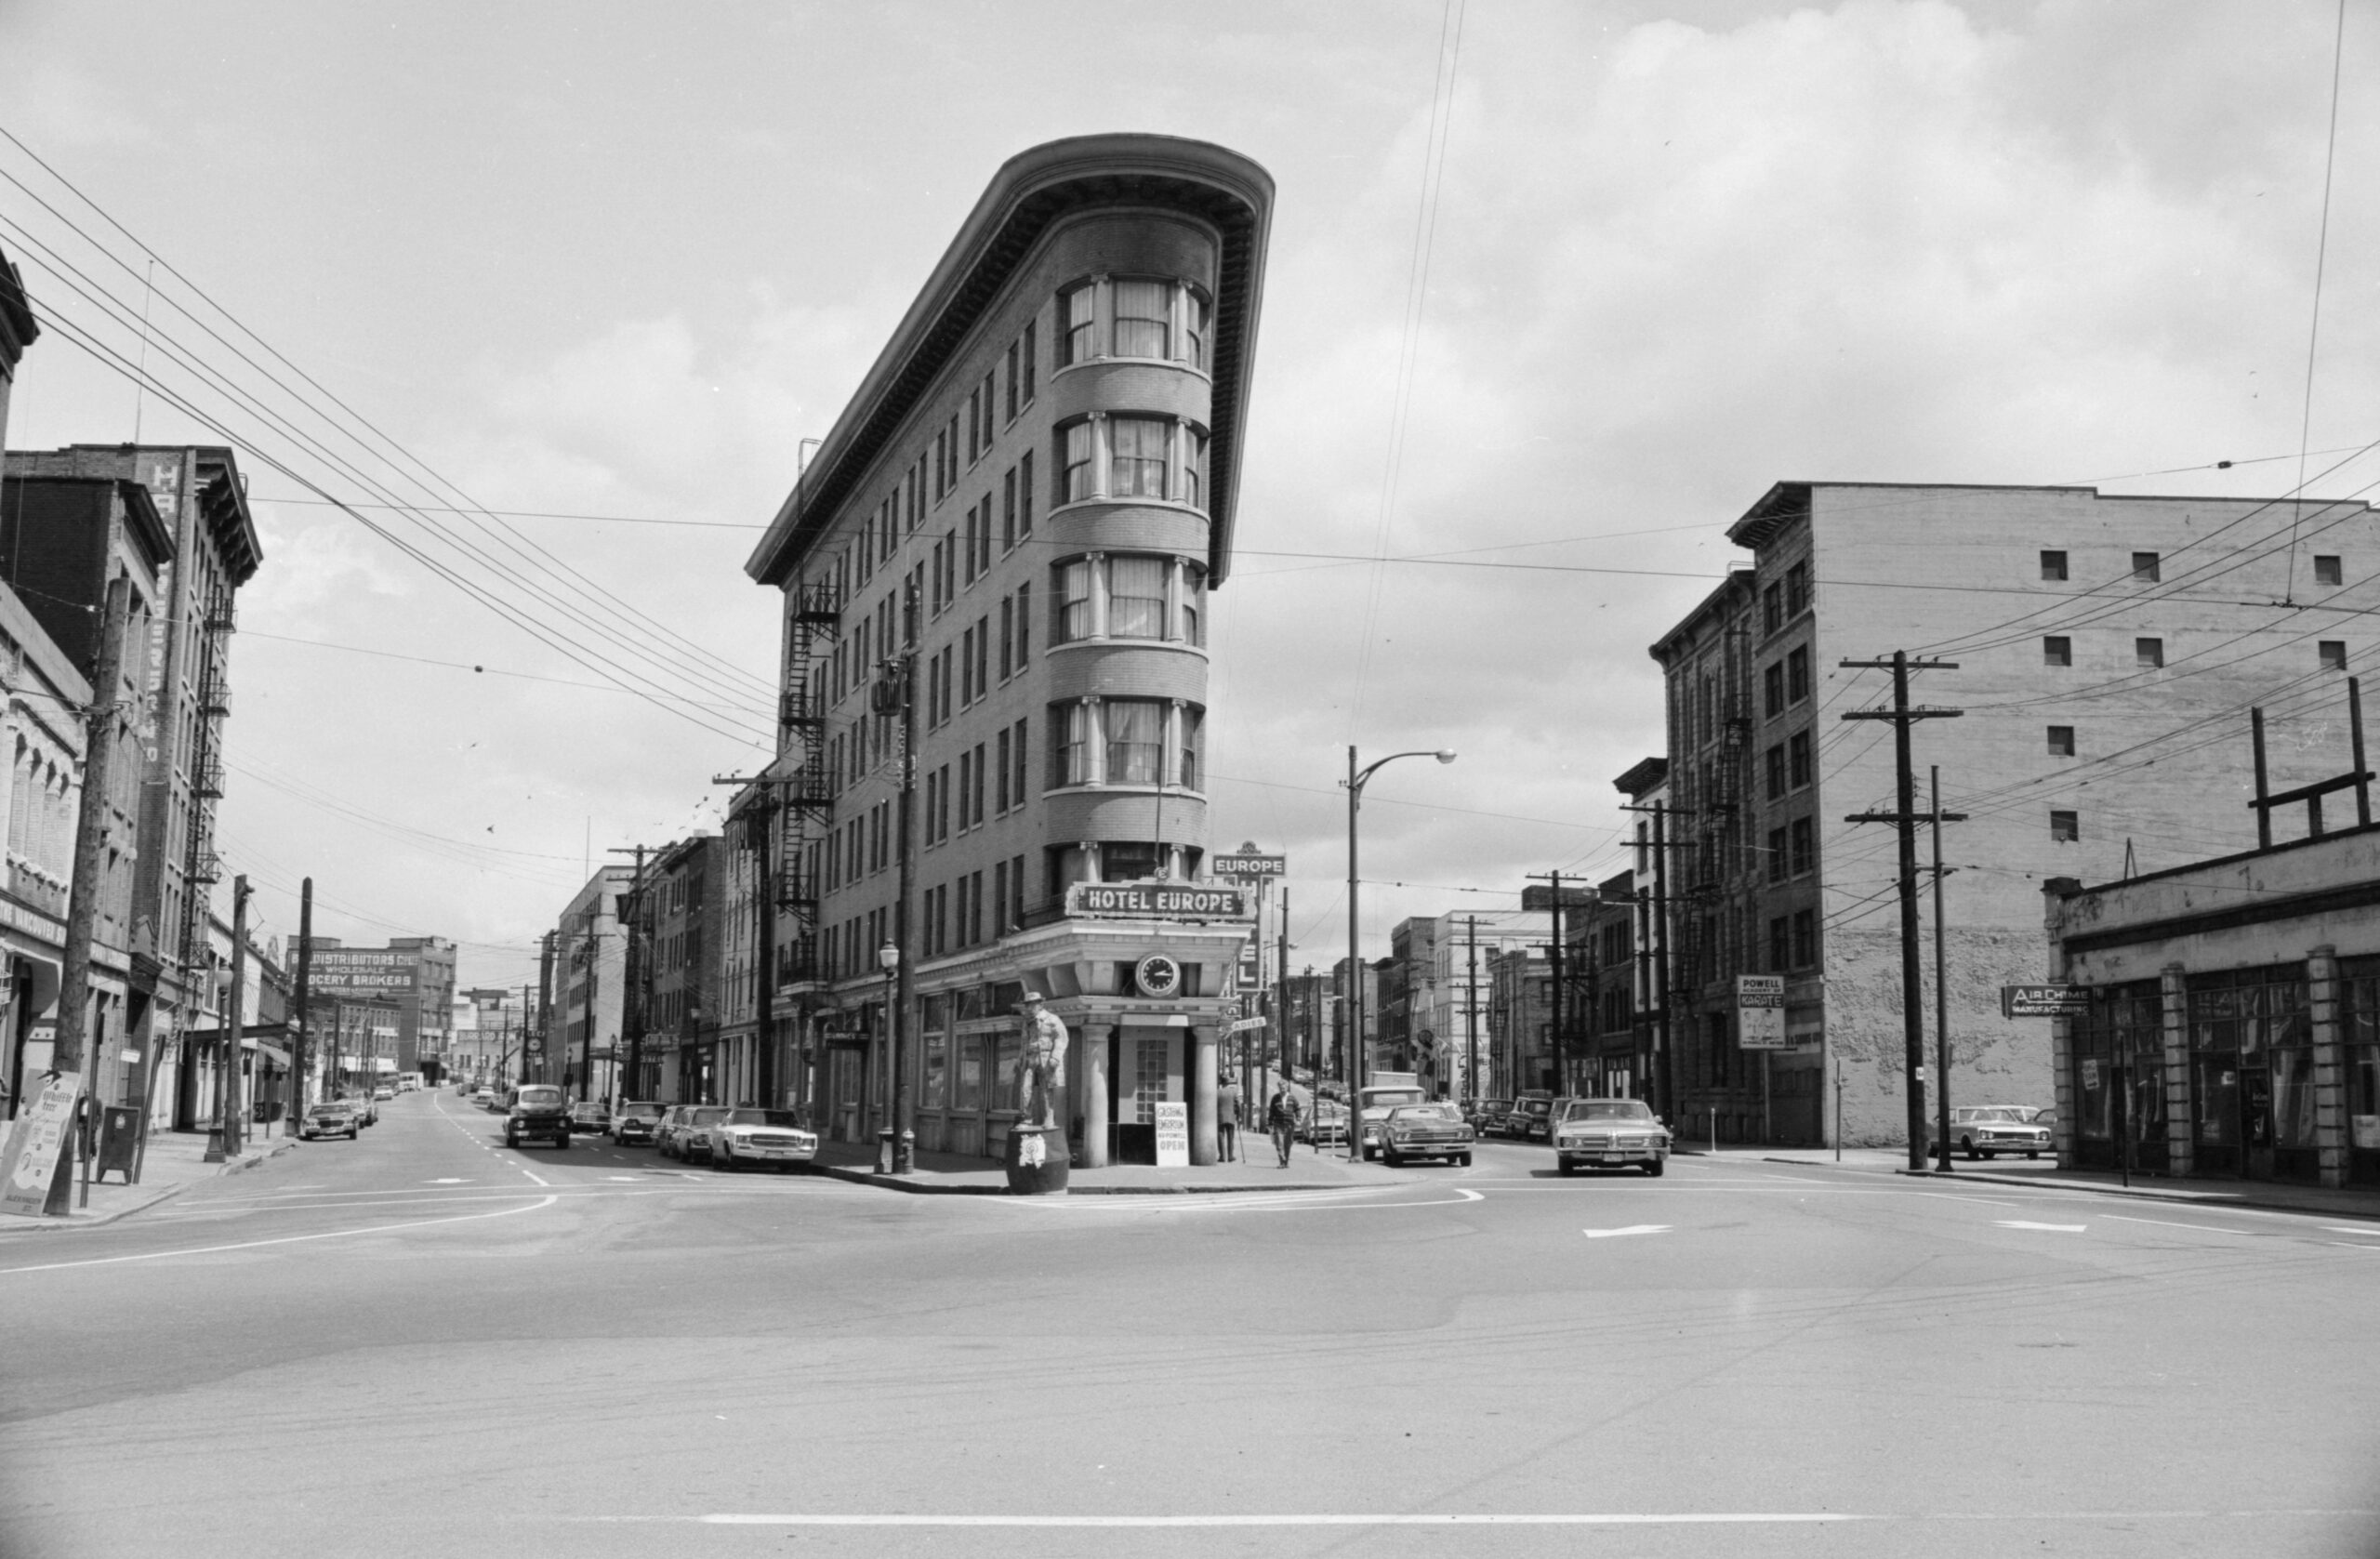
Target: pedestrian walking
(1227, 1120)
(1281, 1117)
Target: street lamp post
(1354, 1038)
(888, 1138)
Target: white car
(749, 1136)
(1608, 1134)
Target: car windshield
(709, 1115)
(1537, 1106)
(1427, 1111)
(639, 1111)
(541, 1096)
(330, 1109)
(1379, 1097)
(1992, 1112)
(1608, 1109)
(761, 1117)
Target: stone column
(2180, 1144)
(1205, 1145)
(2330, 1068)
(1092, 1081)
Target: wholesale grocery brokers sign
(1156, 901)
(374, 970)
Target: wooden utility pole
(1470, 1019)
(231, 1018)
(545, 1011)
(90, 834)
(1905, 817)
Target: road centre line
(2368, 1233)
(2044, 1228)
(1395, 1519)
(284, 1239)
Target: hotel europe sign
(1154, 901)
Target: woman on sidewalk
(1281, 1117)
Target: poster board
(40, 1147)
(1172, 1119)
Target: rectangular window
(1805, 938)
(1777, 856)
(1076, 308)
(941, 816)
(1017, 755)
(1773, 690)
(1030, 362)
(933, 793)
(1008, 510)
(974, 426)
(1073, 601)
(1806, 848)
(1023, 624)
(1775, 762)
(1798, 676)
(2149, 653)
(999, 896)
(975, 797)
(1780, 947)
(2061, 741)
(1194, 326)
(940, 459)
(1075, 483)
(966, 784)
(1074, 746)
(2053, 565)
(1194, 595)
(990, 416)
(2066, 827)
(1136, 597)
(967, 543)
(1193, 747)
(2332, 653)
(2143, 567)
(1797, 753)
(999, 793)
(1007, 636)
(1135, 741)
(1136, 457)
(1010, 368)
(1772, 609)
(1143, 312)
(1797, 589)
(1194, 468)
(2327, 570)
(2057, 650)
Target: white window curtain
(1073, 753)
(1079, 458)
(1074, 612)
(1135, 742)
(1075, 310)
(1142, 311)
(1136, 461)
(1136, 597)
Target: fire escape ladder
(804, 789)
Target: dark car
(535, 1112)
(1425, 1132)
(635, 1122)
(1487, 1116)
(1529, 1120)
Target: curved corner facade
(1046, 453)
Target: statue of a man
(1041, 1069)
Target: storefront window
(937, 1078)
(1148, 1078)
(1004, 1059)
(2292, 1096)
(968, 1094)
(2359, 1038)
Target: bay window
(1194, 468)
(1078, 467)
(1194, 745)
(1136, 589)
(1136, 457)
(1073, 745)
(1074, 601)
(1142, 314)
(1193, 601)
(1135, 741)
(1076, 307)
(1194, 327)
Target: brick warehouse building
(2109, 650)
(1047, 452)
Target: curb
(2137, 1193)
(924, 1188)
(70, 1225)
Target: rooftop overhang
(1643, 778)
(223, 499)
(1738, 582)
(1778, 508)
(1032, 192)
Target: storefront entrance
(2252, 1074)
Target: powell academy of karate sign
(1156, 901)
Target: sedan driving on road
(635, 1122)
(590, 1115)
(536, 1114)
(1426, 1132)
(742, 1137)
(1608, 1134)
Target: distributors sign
(1760, 1012)
(365, 971)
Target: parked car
(384, 1092)
(1487, 1115)
(487, 1098)
(366, 1111)
(1324, 1123)
(1529, 1120)
(332, 1117)
(1426, 1132)
(635, 1122)
(1987, 1131)
(742, 1136)
(590, 1115)
(1373, 1104)
(1608, 1134)
(534, 1113)
(694, 1135)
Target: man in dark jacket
(1281, 1117)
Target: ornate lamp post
(896, 1142)
(1354, 1038)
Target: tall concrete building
(184, 698)
(2109, 650)
(1044, 460)
(589, 975)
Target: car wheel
(1393, 1160)
(352, 1133)
(2032, 1155)
(1463, 1159)
(1974, 1152)
(723, 1162)
(1654, 1169)
(512, 1140)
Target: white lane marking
(2050, 1228)
(1468, 1519)
(284, 1239)
(450, 1180)
(1964, 1197)
(533, 1175)
(624, 1177)
(2168, 1224)
(1630, 1228)
(2351, 1245)
(2367, 1232)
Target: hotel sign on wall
(1154, 900)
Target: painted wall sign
(1156, 901)
(2044, 1001)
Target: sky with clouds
(1559, 288)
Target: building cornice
(1030, 194)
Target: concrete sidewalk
(2043, 1174)
(173, 1162)
(1258, 1169)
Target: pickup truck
(1374, 1100)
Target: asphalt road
(425, 1343)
